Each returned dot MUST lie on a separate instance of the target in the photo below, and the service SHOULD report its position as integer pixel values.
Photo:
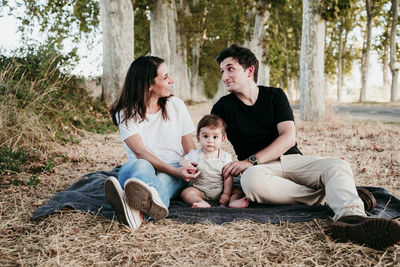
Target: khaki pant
(304, 179)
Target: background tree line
(188, 34)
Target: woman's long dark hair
(135, 94)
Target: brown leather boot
(367, 197)
(377, 233)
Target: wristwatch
(253, 160)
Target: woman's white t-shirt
(163, 138)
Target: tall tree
(142, 28)
(381, 41)
(340, 61)
(194, 15)
(312, 96)
(60, 19)
(370, 6)
(166, 42)
(393, 64)
(226, 25)
(341, 19)
(283, 41)
(255, 36)
(74, 18)
(383, 45)
(385, 58)
(117, 31)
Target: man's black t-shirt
(252, 128)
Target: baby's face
(210, 139)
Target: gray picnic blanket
(87, 194)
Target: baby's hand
(190, 171)
(224, 199)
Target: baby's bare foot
(202, 204)
(239, 203)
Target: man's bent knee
(338, 169)
(254, 180)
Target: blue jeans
(166, 185)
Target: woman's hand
(185, 163)
(188, 173)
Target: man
(260, 126)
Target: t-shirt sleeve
(282, 107)
(126, 129)
(193, 155)
(219, 110)
(187, 122)
(216, 109)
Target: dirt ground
(75, 238)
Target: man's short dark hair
(243, 55)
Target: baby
(210, 160)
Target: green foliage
(342, 23)
(383, 22)
(3, 7)
(142, 30)
(331, 9)
(22, 160)
(283, 40)
(40, 103)
(14, 160)
(61, 19)
(214, 25)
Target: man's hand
(235, 168)
(224, 199)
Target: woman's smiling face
(162, 83)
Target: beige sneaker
(116, 197)
(145, 198)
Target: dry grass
(74, 238)
(22, 125)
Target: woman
(157, 130)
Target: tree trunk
(385, 58)
(312, 99)
(286, 53)
(287, 68)
(221, 91)
(159, 36)
(394, 96)
(166, 43)
(326, 82)
(196, 81)
(340, 62)
(255, 40)
(370, 6)
(117, 30)
(281, 83)
(346, 37)
(294, 89)
(287, 78)
(263, 74)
